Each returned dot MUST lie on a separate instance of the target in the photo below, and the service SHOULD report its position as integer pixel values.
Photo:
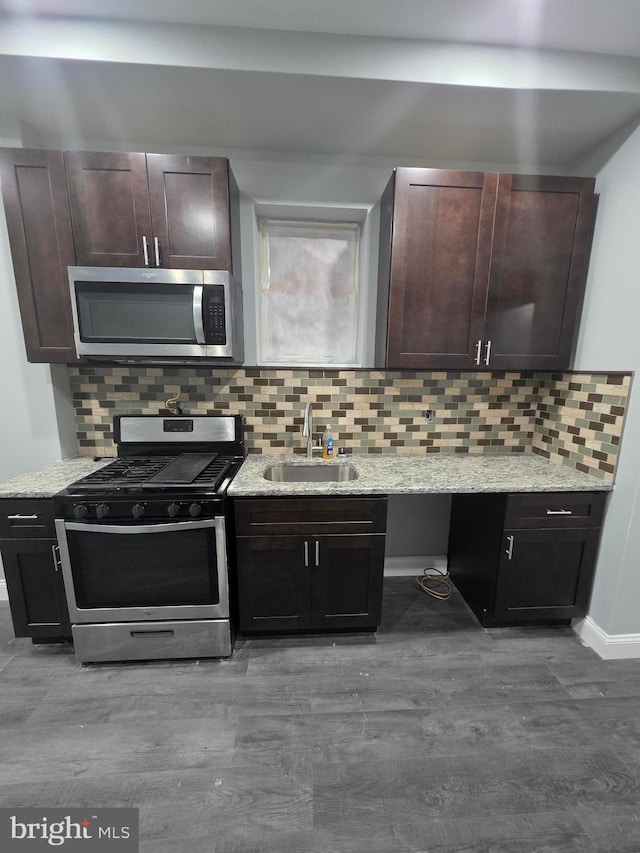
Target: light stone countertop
(45, 482)
(382, 474)
(444, 473)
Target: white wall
(610, 340)
(29, 394)
(29, 397)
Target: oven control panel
(131, 508)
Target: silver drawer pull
(317, 553)
(478, 351)
(20, 517)
(151, 635)
(306, 554)
(559, 512)
(509, 549)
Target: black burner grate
(152, 472)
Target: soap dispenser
(327, 443)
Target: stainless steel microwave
(126, 314)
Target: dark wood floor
(433, 735)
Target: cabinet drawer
(555, 510)
(310, 516)
(26, 518)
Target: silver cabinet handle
(317, 553)
(559, 512)
(55, 551)
(488, 353)
(478, 352)
(156, 246)
(306, 554)
(509, 549)
(145, 251)
(20, 517)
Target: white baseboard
(4, 595)
(413, 566)
(608, 646)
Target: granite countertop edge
(381, 474)
(417, 474)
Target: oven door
(136, 572)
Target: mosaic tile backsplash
(574, 418)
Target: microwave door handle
(198, 323)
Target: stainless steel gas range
(143, 541)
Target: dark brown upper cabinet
(480, 270)
(156, 210)
(540, 252)
(37, 210)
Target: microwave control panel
(214, 315)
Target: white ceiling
(529, 82)
(599, 26)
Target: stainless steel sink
(320, 473)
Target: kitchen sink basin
(320, 473)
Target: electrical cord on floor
(435, 583)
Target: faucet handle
(306, 422)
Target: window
(309, 294)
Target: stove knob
(195, 509)
(137, 511)
(80, 511)
(102, 510)
(173, 509)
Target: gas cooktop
(178, 466)
(184, 471)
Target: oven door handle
(162, 527)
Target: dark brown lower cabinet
(31, 566)
(526, 558)
(310, 564)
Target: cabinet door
(347, 581)
(109, 207)
(37, 209)
(545, 574)
(274, 583)
(190, 203)
(36, 589)
(540, 251)
(441, 248)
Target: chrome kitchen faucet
(307, 432)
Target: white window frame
(288, 359)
